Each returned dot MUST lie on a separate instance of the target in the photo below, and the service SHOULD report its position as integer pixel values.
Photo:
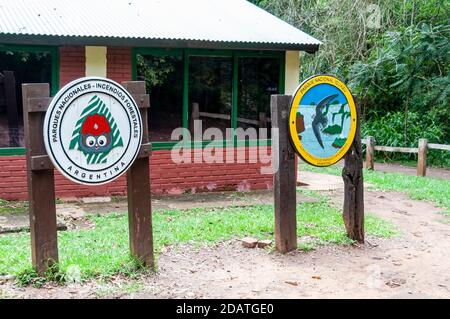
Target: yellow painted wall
(292, 77)
(95, 61)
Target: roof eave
(26, 39)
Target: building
(216, 60)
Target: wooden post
(285, 177)
(195, 124)
(138, 186)
(422, 157)
(262, 120)
(370, 151)
(11, 108)
(353, 212)
(41, 186)
(297, 181)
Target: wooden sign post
(41, 186)
(41, 183)
(353, 211)
(321, 133)
(138, 186)
(285, 179)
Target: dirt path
(416, 264)
(398, 168)
(435, 172)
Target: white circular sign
(92, 130)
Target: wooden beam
(39, 104)
(353, 212)
(41, 186)
(422, 157)
(138, 188)
(142, 100)
(145, 150)
(396, 149)
(443, 147)
(213, 115)
(285, 177)
(262, 120)
(370, 152)
(41, 162)
(195, 123)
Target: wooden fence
(421, 152)
(196, 114)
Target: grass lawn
(431, 189)
(11, 208)
(103, 251)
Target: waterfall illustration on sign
(96, 132)
(326, 120)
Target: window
(17, 67)
(221, 88)
(258, 78)
(210, 89)
(164, 78)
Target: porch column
(95, 61)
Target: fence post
(262, 120)
(138, 186)
(284, 178)
(40, 175)
(196, 124)
(370, 151)
(422, 157)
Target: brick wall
(166, 178)
(119, 64)
(72, 64)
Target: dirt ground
(398, 168)
(415, 264)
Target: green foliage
(389, 130)
(25, 56)
(409, 70)
(395, 56)
(155, 69)
(349, 29)
(30, 277)
(405, 88)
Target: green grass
(103, 251)
(13, 207)
(435, 190)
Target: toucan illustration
(320, 118)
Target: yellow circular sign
(322, 120)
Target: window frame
(235, 55)
(54, 85)
(185, 53)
